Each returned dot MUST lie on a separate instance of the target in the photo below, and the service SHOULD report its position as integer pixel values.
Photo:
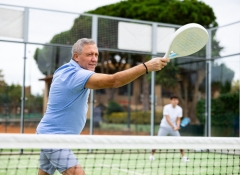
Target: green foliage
(226, 87)
(13, 94)
(2, 87)
(166, 11)
(135, 117)
(222, 77)
(9, 93)
(10, 97)
(49, 58)
(168, 76)
(113, 107)
(34, 104)
(223, 109)
(230, 102)
(201, 110)
(235, 86)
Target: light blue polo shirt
(67, 103)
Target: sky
(226, 11)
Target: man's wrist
(145, 68)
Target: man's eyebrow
(95, 53)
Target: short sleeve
(79, 79)
(165, 110)
(180, 112)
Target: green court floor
(130, 163)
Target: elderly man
(68, 96)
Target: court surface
(129, 163)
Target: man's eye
(91, 54)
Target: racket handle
(170, 56)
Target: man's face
(174, 102)
(88, 59)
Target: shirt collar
(74, 63)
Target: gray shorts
(168, 131)
(57, 159)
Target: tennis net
(113, 155)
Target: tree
(178, 77)
(235, 86)
(182, 12)
(10, 98)
(224, 110)
(165, 11)
(2, 83)
(2, 90)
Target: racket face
(185, 121)
(187, 40)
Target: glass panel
(47, 27)
(124, 110)
(49, 58)
(225, 97)
(226, 40)
(33, 110)
(116, 112)
(186, 78)
(11, 80)
(225, 81)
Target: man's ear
(75, 57)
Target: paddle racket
(187, 40)
(185, 121)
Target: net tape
(115, 142)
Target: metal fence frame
(153, 53)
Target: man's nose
(94, 58)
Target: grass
(126, 162)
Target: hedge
(224, 110)
(135, 117)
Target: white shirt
(173, 114)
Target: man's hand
(156, 64)
(176, 128)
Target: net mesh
(19, 154)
